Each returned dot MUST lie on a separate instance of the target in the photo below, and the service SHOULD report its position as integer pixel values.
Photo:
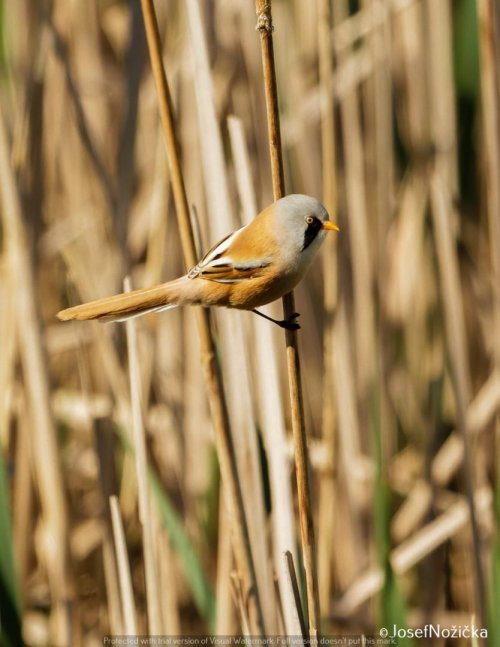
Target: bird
(249, 268)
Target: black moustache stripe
(311, 232)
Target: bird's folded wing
(222, 265)
(229, 272)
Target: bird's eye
(309, 220)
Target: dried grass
(405, 313)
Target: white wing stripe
(229, 280)
(225, 260)
(220, 249)
(241, 265)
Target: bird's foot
(289, 323)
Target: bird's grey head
(302, 221)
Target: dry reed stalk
(242, 169)
(111, 579)
(69, 187)
(234, 361)
(225, 621)
(409, 58)
(83, 274)
(14, 414)
(46, 466)
(126, 590)
(303, 155)
(224, 442)
(349, 74)
(168, 587)
(327, 491)
(489, 45)
(159, 193)
(197, 424)
(265, 28)
(292, 574)
(88, 67)
(354, 28)
(91, 410)
(253, 98)
(376, 98)
(141, 466)
(328, 136)
(405, 270)
(350, 460)
(412, 511)
(480, 413)
(409, 295)
(225, 607)
(380, 107)
(104, 446)
(457, 351)
(435, 533)
(9, 348)
(86, 536)
(362, 269)
(135, 57)
(240, 605)
(272, 422)
(169, 347)
(148, 354)
(78, 268)
(412, 551)
(86, 133)
(442, 99)
(490, 108)
(22, 498)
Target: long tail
(134, 304)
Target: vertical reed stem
(457, 351)
(141, 467)
(126, 589)
(488, 46)
(327, 504)
(225, 448)
(43, 436)
(491, 130)
(265, 28)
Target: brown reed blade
(146, 514)
(413, 550)
(271, 419)
(457, 347)
(235, 363)
(218, 406)
(43, 438)
(489, 46)
(125, 578)
(327, 522)
(265, 28)
(296, 593)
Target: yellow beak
(330, 226)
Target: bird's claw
(289, 323)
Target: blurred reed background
(389, 114)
